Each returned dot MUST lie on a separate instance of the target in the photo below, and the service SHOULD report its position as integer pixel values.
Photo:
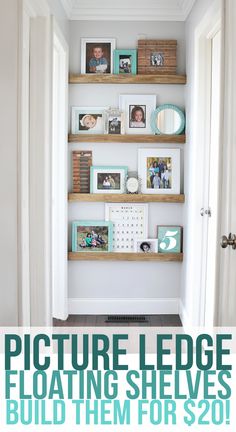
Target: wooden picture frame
(157, 56)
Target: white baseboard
(184, 316)
(107, 306)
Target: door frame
(34, 158)
(196, 226)
(226, 293)
(59, 174)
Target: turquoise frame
(106, 169)
(154, 115)
(130, 52)
(89, 223)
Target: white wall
(116, 279)
(8, 162)
(189, 311)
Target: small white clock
(132, 185)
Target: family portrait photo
(97, 55)
(108, 179)
(91, 236)
(125, 61)
(159, 173)
(114, 125)
(157, 59)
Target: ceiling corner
(68, 7)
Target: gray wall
(117, 279)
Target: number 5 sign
(169, 239)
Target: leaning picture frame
(138, 110)
(91, 236)
(97, 55)
(108, 179)
(87, 120)
(125, 61)
(159, 170)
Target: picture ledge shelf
(117, 256)
(126, 79)
(102, 138)
(129, 198)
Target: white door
(226, 290)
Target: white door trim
(59, 175)
(227, 272)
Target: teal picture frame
(161, 108)
(169, 239)
(80, 231)
(131, 56)
(119, 171)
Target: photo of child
(146, 245)
(108, 181)
(137, 116)
(159, 173)
(98, 58)
(92, 238)
(90, 121)
(114, 125)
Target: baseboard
(184, 316)
(104, 306)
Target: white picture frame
(159, 171)
(130, 221)
(79, 116)
(101, 176)
(138, 110)
(146, 245)
(88, 45)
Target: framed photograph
(113, 121)
(125, 61)
(130, 221)
(97, 55)
(138, 110)
(108, 179)
(146, 246)
(159, 171)
(85, 120)
(91, 236)
(169, 239)
(157, 56)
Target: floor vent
(126, 318)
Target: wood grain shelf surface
(103, 138)
(128, 198)
(115, 256)
(126, 79)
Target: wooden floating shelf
(129, 198)
(115, 256)
(126, 79)
(102, 138)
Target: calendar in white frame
(130, 221)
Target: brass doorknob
(228, 241)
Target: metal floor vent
(126, 318)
